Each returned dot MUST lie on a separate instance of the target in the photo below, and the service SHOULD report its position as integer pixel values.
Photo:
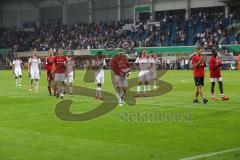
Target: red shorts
(49, 76)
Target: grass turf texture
(29, 128)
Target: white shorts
(69, 79)
(143, 76)
(218, 79)
(17, 73)
(153, 74)
(99, 79)
(34, 75)
(121, 81)
(59, 77)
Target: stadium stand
(205, 28)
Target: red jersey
(49, 63)
(198, 71)
(119, 64)
(214, 66)
(60, 64)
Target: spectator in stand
(203, 27)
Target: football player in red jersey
(215, 75)
(49, 66)
(198, 62)
(59, 71)
(121, 68)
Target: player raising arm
(17, 70)
(49, 66)
(59, 72)
(70, 73)
(34, 70)
(121, 68)
(98, 65)
(215, 75)
(198, 62)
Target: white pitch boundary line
(147, 104)
(211, 154)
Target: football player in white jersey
(34, 70)
(98, 65)
(17, 70)
(70, 72)
(143, 64)
(152, 72)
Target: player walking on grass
(198, 62)
(34, 70)
(152, 72)
(121, 68)
(17, 70)
(143, 64)
(49, 66)
(59, 71)
(215, 75)
(70, 72)
(98, 65)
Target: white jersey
(34, 63)
(143, 62)
(99, 63)
(70, 64)
(153, 62)
(17, 64)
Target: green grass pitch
(29, 128)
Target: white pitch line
(211, 154)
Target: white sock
(213, 95)
(99, 90)
(37, 85)
(154, 83)
(96, 92)
(119, 98)
(222, 95)
(17, 82)
(62, 90)
(139, 89)
(71, 89)
(144, 89)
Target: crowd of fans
(205, 28)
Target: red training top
(214, 66)
(118, 64)
(60, 64)
(49, 63)
(198, 71)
